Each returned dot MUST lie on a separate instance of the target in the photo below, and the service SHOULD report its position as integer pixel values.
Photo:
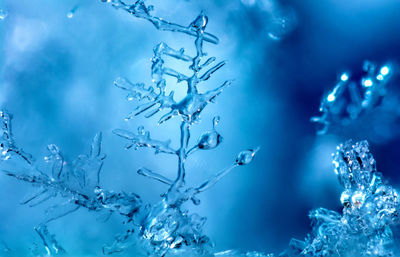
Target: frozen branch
(140, 10)
(143, 139)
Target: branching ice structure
(349, 101)
(164, 228)
(370, 206)
(370, 212)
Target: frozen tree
(164, 228)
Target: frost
(370, 211)
(164, 228)
(352, 103)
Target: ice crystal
(351, 101)
(164, 228)
(370, 211)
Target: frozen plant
(353, 103)
(167, 226)
(370, 212)
(164, 228)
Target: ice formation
(369, 217)
(164, 228)
(352, 103)
(370, 206)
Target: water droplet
(216, 121)
(331, 97)
(245, 157)
(358, 199)
(210, 139)
(367, 83)
(3, 14)
(72, 12)
(195, 200)
(281, 24)
(384, 70)
(200, 22)
(344, 77)
(140, 8)
(345, 199)
(130, 97)
(141, 130)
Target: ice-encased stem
(182, 155)
(153, 175)
(214, 179)
(50, 243)
(8, 146)
(165, 225)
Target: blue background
(57, 78)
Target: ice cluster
(369, 217)
(354, 102)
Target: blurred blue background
(57, 76)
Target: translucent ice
(165, 228)
(355, 103)
(370, 211)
